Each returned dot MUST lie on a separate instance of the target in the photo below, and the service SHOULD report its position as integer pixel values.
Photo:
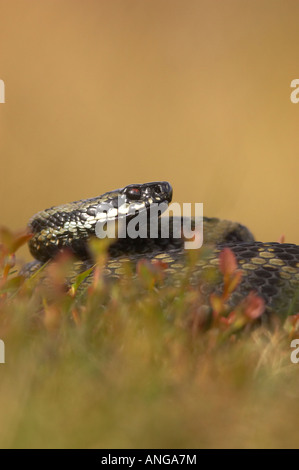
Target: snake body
(269, 269)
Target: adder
(269, 269)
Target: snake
(270, 269)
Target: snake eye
(133, 193)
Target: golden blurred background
(100, 94)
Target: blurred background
(101, 94)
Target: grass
(132, 364)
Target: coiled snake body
(269, 269)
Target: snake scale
(269, 269)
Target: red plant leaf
(281, 239)
(227, 262)
(13, 241)
(254, 306)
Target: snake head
(136, 198)
(71, 225)
(133, 199)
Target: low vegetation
(138, 363)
